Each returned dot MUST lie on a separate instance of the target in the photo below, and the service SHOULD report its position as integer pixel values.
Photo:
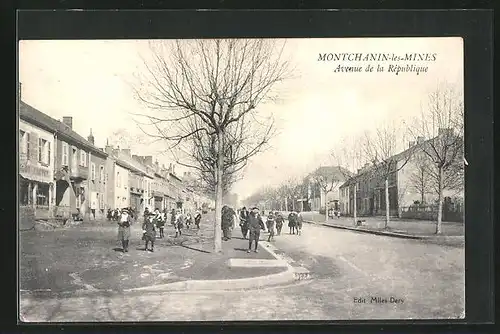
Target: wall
(121, 188)
(110, 184)
(97, 186)
(36, 133)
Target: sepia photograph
(241, 179)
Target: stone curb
(286, 276)
(388, 234)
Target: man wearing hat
(124, 229)
(149, 231)
(255, 224)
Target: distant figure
(271, 226)
(160, 222)
(227, 222)
(292, 222)
(197, 219)
(299, 223)
(244, 222)
(279, 222)
(255, 224)
(179, 223)
(124, 229)
(149, 231)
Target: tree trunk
(286, 203)
(387, 204)
(355, 207)
(293, 204)
(326, 209)
(440, 199)
(281, 205)
(218, 195)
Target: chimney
(411, 144)
(90, 138)
(420, 140)
(170, 168)
(68, 120)
(148, 160)
(126, 151)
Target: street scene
(241, 179)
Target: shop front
(36, 189)
(158, 200)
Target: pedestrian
(124, 229)
(160, 222)
(197, 219)
(292, 221)
(279, 222)
(244, 222)
(227, 222)
(189, 220)
(149, 231)
(299, 222)
(173, 215)
(179, 223)
(255, 224)
(271, 226)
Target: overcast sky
(89, 81)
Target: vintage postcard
(241, 179)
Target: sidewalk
(416, 228)
(88, 258)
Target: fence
(452, 212)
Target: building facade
(69, 195)
(36, 168)
(97, 182)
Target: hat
(151, 214)
(254, 208)
(125, 210)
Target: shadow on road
(240, 249)
(118, 249)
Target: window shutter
(33, 147)
(48, 152)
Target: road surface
(354, 276)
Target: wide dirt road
(426, 280)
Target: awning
(158, 194)
(34, 173)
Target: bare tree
(381, 149)
(202, 97)
(420, 179)
(349, 158)
(326, 178)
(442, 123)
(293, 190)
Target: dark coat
(149, 227)
(292, 220)
(279, 221)
(255, 222)
(227, 217)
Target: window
(74, 159)
(118, 179)
(101, 173)
(65, 154)
(44, 151)
(42, 195)
(83, 158)
(92, 171)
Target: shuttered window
(34, 143)
(65, 154)
(92, 170)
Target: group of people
(154, 221)
(251, 223)
(114, 215)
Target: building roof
(336, 172)
(130, 163)
(38, 118)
